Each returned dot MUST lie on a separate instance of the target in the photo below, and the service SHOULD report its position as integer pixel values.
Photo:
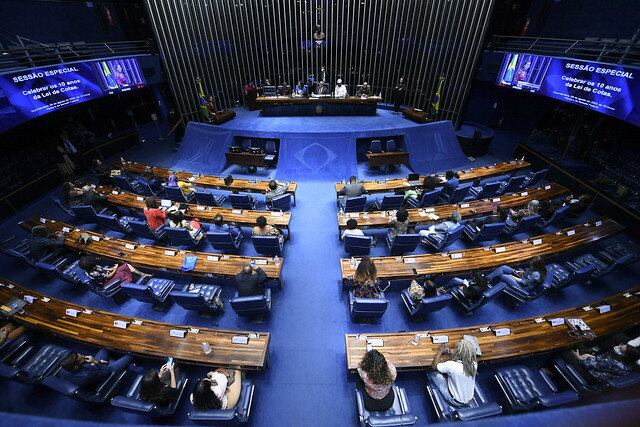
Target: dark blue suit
(450, 186)
(89, 374)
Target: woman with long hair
(529, 278)
(376, 377)
(365, 280)
(160, 387)
(456, 378)
(219, 390)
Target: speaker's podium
(220, 117)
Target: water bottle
(276, 260)
(206, 348)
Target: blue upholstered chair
(268, 245)
(561, 275)
(513, 184)
(242, 201)
(86, 214)
(525, 224)
(485, 232)
(143, 188)
(209, 199)
(62, 206)
(358, 245)
(367, 308)
(526, 388)
(198, 297)
(398, 415)
(600, 267)
(478, 407)
(14, 247)
(520, 294)
(427, 199)
(154, 291)
(112, 222)
(402, 243)
(13, 353)
(375, 146)
(75, 274)
(458, 195)
(241, 412)
(534, 178)
(389, 203)
(181, 236)
(582, 386)
(622, 253)
(441, 241)
(141, 228)
(426, 305)
(41, 364)
(354, 204)
(270, 153)
(246, 144)
(487, 296)
(131, 401)
(122, 182)
(391, 145)
(280, 203)
(176, 194)
(558, 215)
(254, 305)
(489, 189)
(224, 242)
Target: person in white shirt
(456, 378)
(441, 229)
(341, 90)
(220, 390)
(352, 229)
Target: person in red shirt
(156, 216)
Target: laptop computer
(414, 178)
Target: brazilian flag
(203, 99)
(435, 102)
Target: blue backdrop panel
(317, 156)
(433, 147)
(203, 147)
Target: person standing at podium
(341, 90)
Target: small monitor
(413, 177)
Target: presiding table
(142, 337)
(388, 158)
(527, 336)
(246, 159)
(318, 106)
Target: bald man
(249, 281)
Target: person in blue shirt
(219, 226)
(90, 370)
(452, 182)
(529, 278)
(301, 89)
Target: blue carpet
(305, 382)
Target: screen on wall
(609, 89)
(28, 94)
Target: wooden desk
(390, 185)
(482, 258)
(470, 209)
(317, 106)
(245, 159)
(210, 181)
(416, 115)
(527, 337)
(155, 257)
(388, 158)
(150, 339)
(241, 217)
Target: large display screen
(609, 89)
(25, 95)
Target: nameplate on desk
(598, 223)
(524, 193)
(429, 209)
(536, 242)
(177, 333)
(557, 321)
(87, 311)
(165, 203)
(201, 208)
(95, 238)
(236, 211)
(376, 342)
(208, 275)
(495, 199)
(502, 332)
(485, 329)
(115, 192)
(604, 308)
(260, 261)
(212, 258)
(464, 205)
(456, 256)
(170, 253)
(571, 232)
(409, 260)
(66, 229)
(29, 298)
(539, 320)
(129, 246)
(627, 295)
(43, 220)
(353, 215)
(547, 187)
(587, 308)
(254, 335)
(439, 339)
(137, 322)
(276, 214)
(140, 199)
(192, 178)
(120, 324)
(71, 312)
(500, 249)
(240, 339)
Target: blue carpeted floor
(305, 383)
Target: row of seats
(22, 361)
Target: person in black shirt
(476, 287)
(160, 387)
(103, 174)
(91, 198)
(398, 95)
(365, 90)
(249, 281)
(42, 242)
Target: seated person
(264, 229)
(602, 367)
(352, 229)
(285, 89)
(155, 215)
(472, 289)
(577, 206)
(428, 289)
(628, 351)
(456, 380)
(89, 370)
(71, 194)
(340, 90)
(499, 214)
(42, 242)
(301, 89)
(250, 282)
(365, 280)
(429, 183)
(102, 275)
(220, 227)
(375, 379)
(147, 177)
(352, 189)
(322, 88)
(451, 182)
(364, 90)
(177, 220)
(275, 190)
(103, 174)
(529, 278)
(219, 390)
(441, 229)
(546, 210)
(160, 387)
(91, 198)
(173, 181)
(514, 216)
(400, 224)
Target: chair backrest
(62, 206)
(355, 204)
(240, 201)
(357, 245)
(142, 293)
(526, 223)
(429, 305)
(430, 198)
(375, 146)
(537, 177)
(404, 243)
(141, 228)
(392, 202)
(369, 307)
(123, 182)
(281, 203)
(205, 198)
(250, 305)
(559, 214)
(141, 187)
(267, 245)
(189, 300)
(490, 231)
(246, 143)
(451, 235)
(270, 147)
(179, 236)
(489, 189)
(174, 193)
(493, 291)
(85, 213)
(391, 145)
(111, 222)
(459, 193)
(515, 182)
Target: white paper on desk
(376, 342)
(114, 192)
(500, 249)
(192, 178)
(276, 213)
(433, 216)
(140, 199)
(598, 223)
(166, 203)
(587, 308)
(464, 205)
(485, 329)
(604, 308)
(557, 321)
(539, 320)
(535, 242)
(353, 215)
(502, 332)
(422, 213)
(87, 311)
(439, 339)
